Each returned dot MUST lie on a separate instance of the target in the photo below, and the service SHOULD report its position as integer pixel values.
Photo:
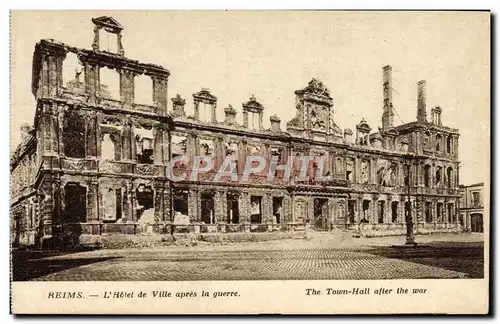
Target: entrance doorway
(476, 223)
(320, 214)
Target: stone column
(267, 214)
(91, 71)
(310, 210)
(401, 214)
(287, 209)
(373, 171)
(127, 140)
(92, 201)
(331, 213)
(193, 211)
(167, 204)
(132, 203)
(127, 85)
(91, 135)
(245, 119)
(158, 146)
(158, 201)
(359, 210)
(357, 170)
(196, 110)
(218, 207)
(244, 204)
(374, 210)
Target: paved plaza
(323, 256)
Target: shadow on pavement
(465, 257)
(28, 265)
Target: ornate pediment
(315, 87)
(108, 22)
(204, 95)
(253, 105)
(363, 126)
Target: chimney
(421, 105)
(230, 118)
(178, 104)
(348, 136)
(275, 123)
(388, 114)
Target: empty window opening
(180, 203)
(110, 205)
(320, 210)
(349, 173)
(144, 145)
(451, 214)
(351, 211)
(179, 145)
(277, 209)
(408, 211)
(438, 142)
(428, 212)
(381, 211)
(255, 209)
(206, 147)
(74, 135)
(366, 211)
(145, 202)
(365, 171)
(439, 212)
(449, 177)
(75, 202)
(407, 175)
(253, 120)
(143, 90)
(475, 199)
(207, 208)
(439, 176)
(449, 144)
(394, 211)
(233, 210)
(427, 175)
(73, 73)
(108, 42)
(108, 150)
(109, 81)
(205, 111)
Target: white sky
(271, 54)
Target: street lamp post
(410, 236)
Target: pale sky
(271, 54)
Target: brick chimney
(388, 114)
(421, 105)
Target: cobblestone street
(324, 256)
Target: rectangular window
(475, 199)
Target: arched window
(427, 175)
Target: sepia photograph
(328, 149)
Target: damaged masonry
(95, 160)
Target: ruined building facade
(95, 160)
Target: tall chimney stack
(421, 105)
(388, 114)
